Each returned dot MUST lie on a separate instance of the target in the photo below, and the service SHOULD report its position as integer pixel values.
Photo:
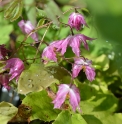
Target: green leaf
(41, 13)
(98, 104)
(41, 22)
(77, 119)
(14, 10)
(102, 61)
(91, 119)
(5, 31)
(97, 98)
(17, 12)
(63, 117)
(113, 119)
(68, 118)
(7, 112)
(41, 105)
(36, 78)
(59, 73)
(30, 10)
(52, 10)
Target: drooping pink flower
(49, 54)
(3, 52)
(4, 81)
(61, 46)
(16, 66)
(63, 91)
(74, 42)
(85, 64)
(27, 27)
(76, 20)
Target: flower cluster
(13, 66)
(74, 41)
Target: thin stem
(42, 26)
(41, 41)
(68, 26)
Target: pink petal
(27, 27)
(64, 44)
(4, 80)
(75, 44)
(90, 73)
(16, 67)
(76, 70)
(49, 53)
(74, 97)
(61, 95)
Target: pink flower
(76, 20)
(4, 81)
(74, 42)
(16, 67)
(27, 27)
(49, 54)
(85, 64)
(3, 52)
(64, 90)
(61, 46)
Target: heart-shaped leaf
(36, 78)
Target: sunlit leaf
(67, 117)
(36, 78)
(102, 61)
(63, 117)
(41, 105)
(41, 22)
(7, 111)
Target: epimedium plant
(49, 91)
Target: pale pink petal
(48, 53)
(74, 97)
(61, 95)
(83, 39)
(75, 45)
(16, 66)
(64, 44)
(27, 27)
(90, 73)
(82, 63)
(76, 70)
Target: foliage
(37, 86)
